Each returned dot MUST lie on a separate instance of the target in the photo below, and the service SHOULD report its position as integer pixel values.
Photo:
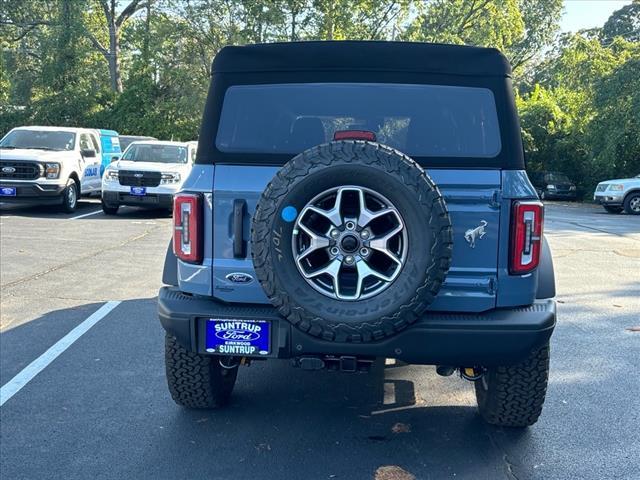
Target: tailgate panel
(471, 197)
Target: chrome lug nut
(334, 251)
(350, 225)
(364, 251)
(349, 259)
(334, 233)
(364, 234)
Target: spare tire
(351, 241)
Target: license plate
(238, 337)
(7, 191)
(139, 191)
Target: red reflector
(354, 135)
(187, 227)
(526, 236)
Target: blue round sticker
(289, 213)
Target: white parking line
(86, 215)
(27, 374)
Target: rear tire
(611, 209)
(513, 396)
(109, 210)
(632, 203)
(194, 380)
(70, 197)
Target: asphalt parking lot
(101, 409)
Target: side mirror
(114, 159)
(88, 153)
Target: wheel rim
(71, 196)
(349, 243)
(634, 204)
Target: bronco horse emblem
(474, 234)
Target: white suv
(618, 195)
(49, 165)
(148, 174)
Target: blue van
(110, 144)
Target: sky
(579, 14)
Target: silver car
(618, 195)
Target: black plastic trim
(239, 208)
(170, 270)
(34, 193)
(546, 275)
(496, 337)
(150, 200)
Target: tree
(624, 22)
(541, 23)
(114, 23)
(489, 23)
(613, 134)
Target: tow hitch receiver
(343, 363)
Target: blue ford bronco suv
(358, 200)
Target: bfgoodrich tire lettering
(378, 168)
(194, 380)
(513, 396)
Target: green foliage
(623, 23)
(489, 23)
(582, 117)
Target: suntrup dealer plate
(238, 337)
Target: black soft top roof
(378, 56)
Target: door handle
(239, 207)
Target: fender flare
(170, 270)
(546, 276)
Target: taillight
(526, 236)
(187, 225)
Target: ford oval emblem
(138, 175)
(8, 170)
(237, 334)
(239, 277)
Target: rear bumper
(497, 337)
(34, 193)
(150, 200)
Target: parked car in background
(553, 186)
(619, 194)
(111, 150)
(49, 165)
(148, 174)
(126, 140)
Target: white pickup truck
(148, 174)
(49, 165)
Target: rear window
(419, 120)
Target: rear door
(473, 201)
(472, 198)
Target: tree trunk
(115, 22)
(114, 55)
